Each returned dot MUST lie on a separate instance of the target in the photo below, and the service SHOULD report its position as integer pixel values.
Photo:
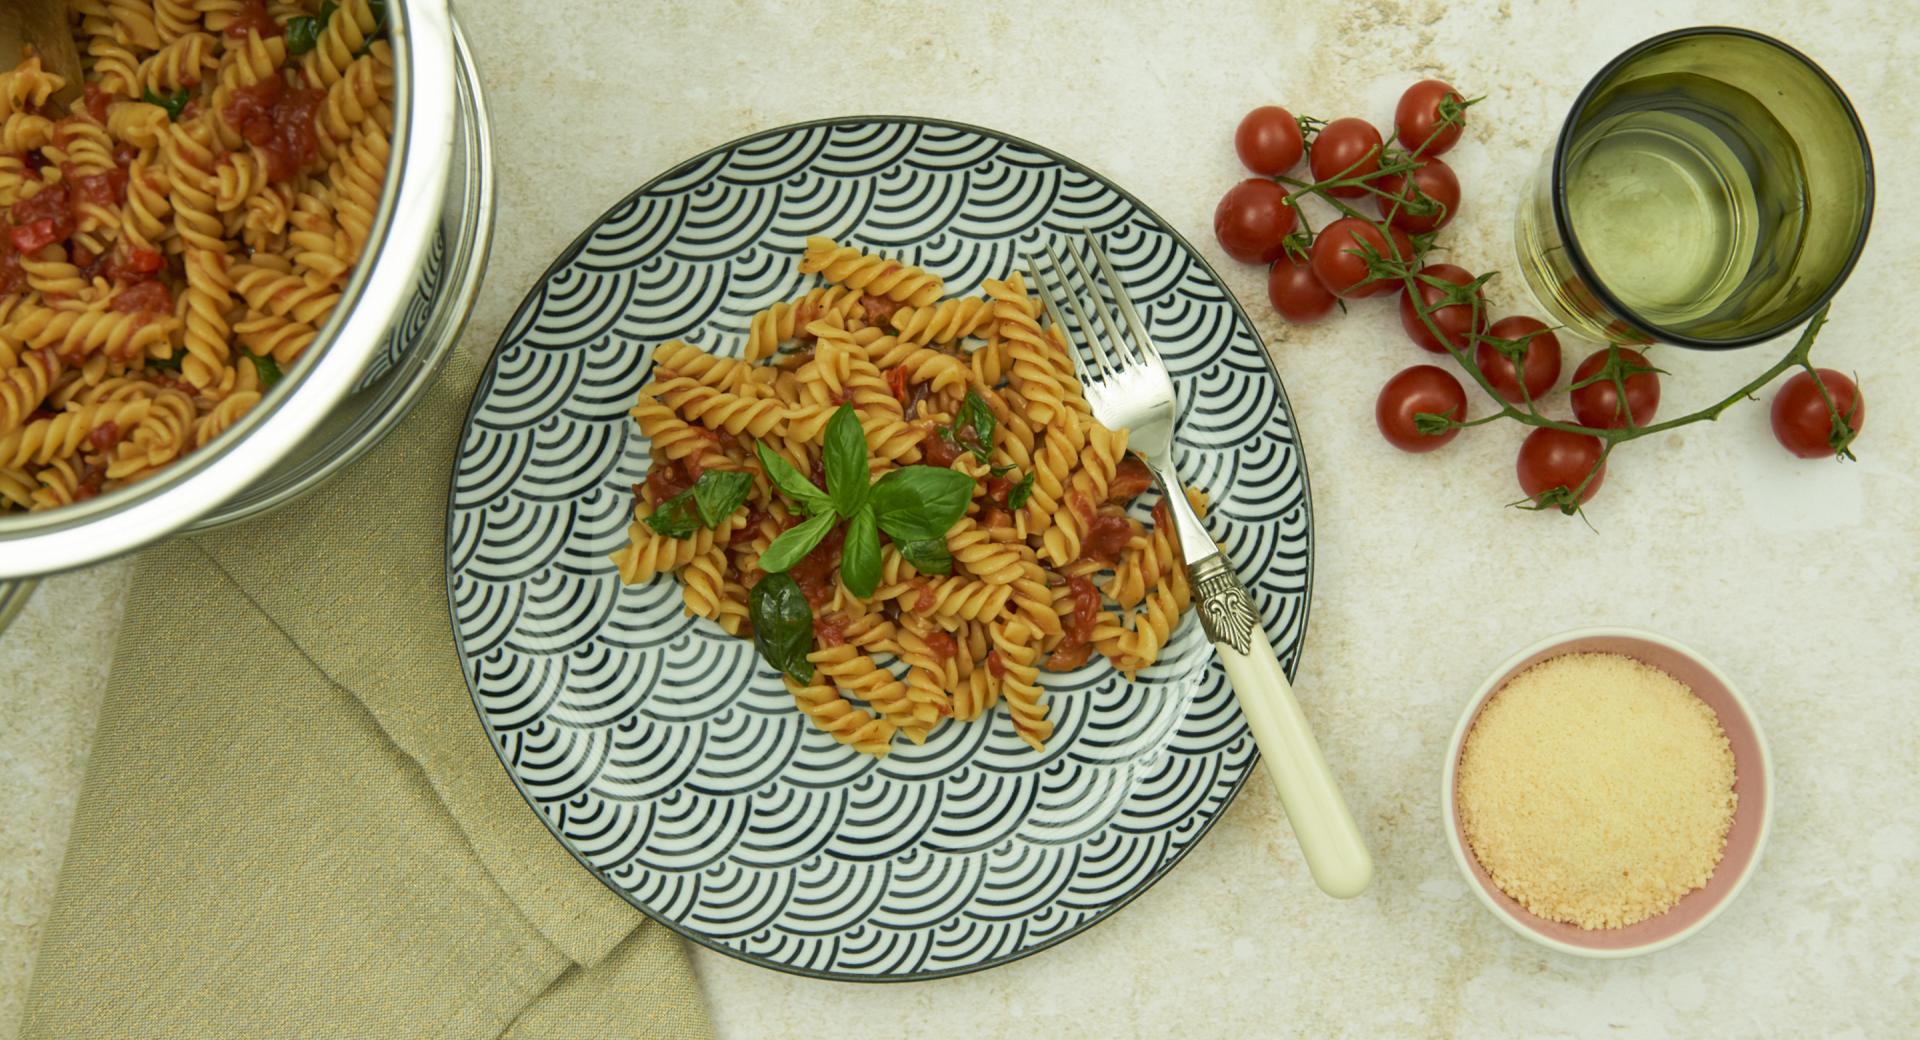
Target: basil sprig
(782, 625)
(266, 368)
(710, 500)
(173, 103)
(911, 504)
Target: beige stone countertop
(1801, 580)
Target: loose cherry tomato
(1598, 403)
(1339, 257)
(1540, 365)
(1418, 115)
(1801, 421)
(1456, 320)
(1345, 148)
(1253, 220)
(1552, 458)
(1422, 388)
(1268, 140)
(1296, 292)
(1431, 204)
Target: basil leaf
(267, 368)
(676, 517)
(791, 482)
(717, 494)
(303, 34)
(173, 103)
(167, 364)
(1020, 493)
(975, 418)
(846, 461)
(782, 625)
(999, 471)
(928, 555)
(860, 556)
(920, 502)
(796, 542)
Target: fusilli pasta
(175, 238)
(1018, 592)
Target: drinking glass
(1711, 188)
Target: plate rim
(572, 251)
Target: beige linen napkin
(292, 825)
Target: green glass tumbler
(1711, 188)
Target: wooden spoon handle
(43, 24)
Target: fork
(1132, 391)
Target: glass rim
(1562, 222)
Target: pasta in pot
(1022, 592)
(173, 239)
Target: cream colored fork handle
(1322, 824)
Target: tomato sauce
(830, 629)
(278, 121)
(1105, 537)
(814, 573)
(942, 646)
(97, 101)
(104, 436)
(924, 602)
(995, 666)
(145, 298)
(253, 18)
(1129, 479)
(938, 449)
(667, 479)
(879, 309)
(1076, 644)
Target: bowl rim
(1458, 845)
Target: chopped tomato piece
(814, 573)
(144, 298)
(897, 382)
(830, 629)
(253, 17)
(97, 102)
(1129, 479)
(939, 448)
(995, 666)
(879, 309)
(997, 490)
(104, 436)
(942, 646)
(1105, 537)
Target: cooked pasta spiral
(875, 276)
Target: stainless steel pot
(396, 324)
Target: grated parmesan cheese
(1596, 790)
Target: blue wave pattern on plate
(667, 756)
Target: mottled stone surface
(1802, 580)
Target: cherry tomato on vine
(1346, 147)
(1455, 320)
(1268, 140)
(1339, 257)
(1436, 203)
(1253, 220)
(1801, 421)
(1417, 116)
(1540, 365)
(1296, 292)
(1552, 458)
(1422, 388)
(1598, 403)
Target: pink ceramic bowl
(1753, 770)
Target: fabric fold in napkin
(291, 823)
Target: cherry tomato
(1418, 114)
(1455, 320)
(1296, 292)
(1268, 140)
(1253, 220)
(1540, 365)
(1345, 148)
(1422, 388)
(1801, 422)
(1557, 459)
(1598, 403)
(1339, 257)
(1436, 203)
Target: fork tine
(1059, 321)
(1127, 357)
(1126, 303)
(1088, 332)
